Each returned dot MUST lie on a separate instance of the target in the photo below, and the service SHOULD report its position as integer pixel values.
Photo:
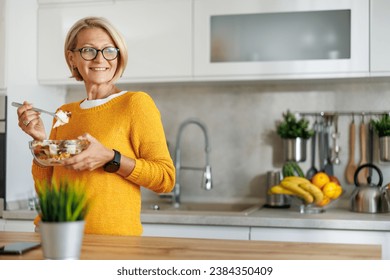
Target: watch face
(111, 167)
(114, 165)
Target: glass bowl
(54, 152)
(313, 208)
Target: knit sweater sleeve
(154, 167)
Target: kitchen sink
(201, 207)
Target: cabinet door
(19, 225)
(158, 35)
(54, 21)
(159, 38)
(280, 37)
(195, 231)
(380, 40)
(324, 236)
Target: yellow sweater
(131, 124)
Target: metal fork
(16, 104)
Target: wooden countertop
(100, 247)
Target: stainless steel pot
(384, 148)
(369, 198)
(294, 149)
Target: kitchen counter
(144, 248)
(333, 218)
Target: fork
(16, 104)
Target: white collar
(86, 104)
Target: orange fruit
(320, 179)
(324, 201)
(339, 191)
(334, 179)
(332, 190)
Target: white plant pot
(62, 240)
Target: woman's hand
(95, 156)
(30, 122)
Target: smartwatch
(114, 164)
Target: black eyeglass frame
(97, 52)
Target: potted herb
(62, 209)
(294, 133)
(382, 125)
(382, 128)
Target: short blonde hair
(96, 22)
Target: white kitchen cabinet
(324, 236)
(158, 35)
(51, 2)
(3, 63)
(266, 39)
(196, 231)
(2, 224)
(19, 225)
(380, 39)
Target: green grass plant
(65, 201)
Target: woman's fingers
(95, 156)
(30, 121)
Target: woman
(128, 147)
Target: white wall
(21, 40)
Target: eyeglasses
(89, 53)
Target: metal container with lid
(276, 200)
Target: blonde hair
(96, 22)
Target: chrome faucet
(206, 182)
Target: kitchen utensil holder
(346, 113)
(384, 142)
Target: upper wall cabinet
(158, 35)
(280, 38)
(380, 38)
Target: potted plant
(294, 133)
(62, 208)
(382, 128)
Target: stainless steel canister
(276, 200)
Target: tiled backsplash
(241, 120)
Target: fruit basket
(313, 196)
(54, 152)
(312, 208)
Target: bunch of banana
(298, 186)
